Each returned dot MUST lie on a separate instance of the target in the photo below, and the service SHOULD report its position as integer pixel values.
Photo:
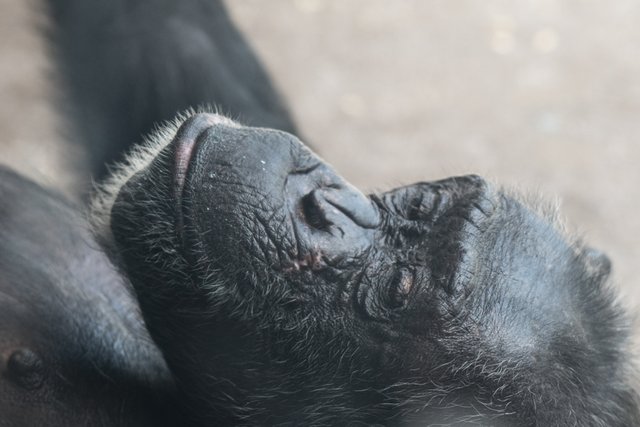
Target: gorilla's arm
(73, 347)
(127, 65)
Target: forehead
(529, 283)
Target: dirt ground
(539, 94)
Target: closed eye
(399, 288)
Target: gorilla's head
(280, 293)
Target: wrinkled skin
(281, 294)
(74, 350)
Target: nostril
(314, 211)
(327, 207)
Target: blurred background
(539, 94)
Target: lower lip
(185, 144)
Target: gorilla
(281, 295)
(232, 277)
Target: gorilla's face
(275, 288)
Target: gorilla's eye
(399, 288)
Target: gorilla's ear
(597, 262)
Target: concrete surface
(30, 139)
(541, 94)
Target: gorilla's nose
(337, 206)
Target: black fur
(129, 65)
(73, 347)
(278, 293)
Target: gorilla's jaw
(249, 252)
